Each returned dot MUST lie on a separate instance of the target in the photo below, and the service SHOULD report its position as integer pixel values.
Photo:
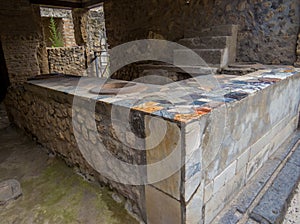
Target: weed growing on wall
(55, 36)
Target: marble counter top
(180, 101)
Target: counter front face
(174, 150)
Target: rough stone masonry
(298, 51)
(268, 29)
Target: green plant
(56, 37)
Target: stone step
(213, 57)
(222, 30)
(193, 70)
(213, 42)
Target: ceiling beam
(58, 3)
(92, 3)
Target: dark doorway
(4, 80)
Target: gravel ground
(293, 214)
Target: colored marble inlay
(148, 107)
(181, 101)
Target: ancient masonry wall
(267, 29)
(22, 40)
(47, 116)
(67, 60)
(254, 130)
(93, 27)
(222, 152)
(82, 31)
(297, 63)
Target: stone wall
(46, 115)
(222, 152)
(22, 40)
(81, 27)
(130, 20)
(95, 28)
(253, 131)
(267, 29)
(67, 60)
(297, 63)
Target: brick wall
(68, 32)
(22, 40)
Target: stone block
(194, 207)
(208, 191)
(214, 206)
(224, 177)
(295, 158)
(259, 181)
(231, 217)
(171, 185)
(163, 145)
(201, 57)
(193, 157)
(233, 186)
(283, 134)
(224, 195)
(191, 185)
(252, 221)
(214, 42)
(273, 204)
(257, 162)
(161, 208)
(242, 160)
(193, 134)
(220, 30)
(268, 137)
(212, 141)
(9, 190)
(260, 145)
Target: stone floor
(52, 192)
(293, 213)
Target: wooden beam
(58, 3)
(92, 3)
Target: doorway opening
(4, 79)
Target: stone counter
(213, 133)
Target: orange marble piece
(186, 117)
(203, 110)
(148, 107)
